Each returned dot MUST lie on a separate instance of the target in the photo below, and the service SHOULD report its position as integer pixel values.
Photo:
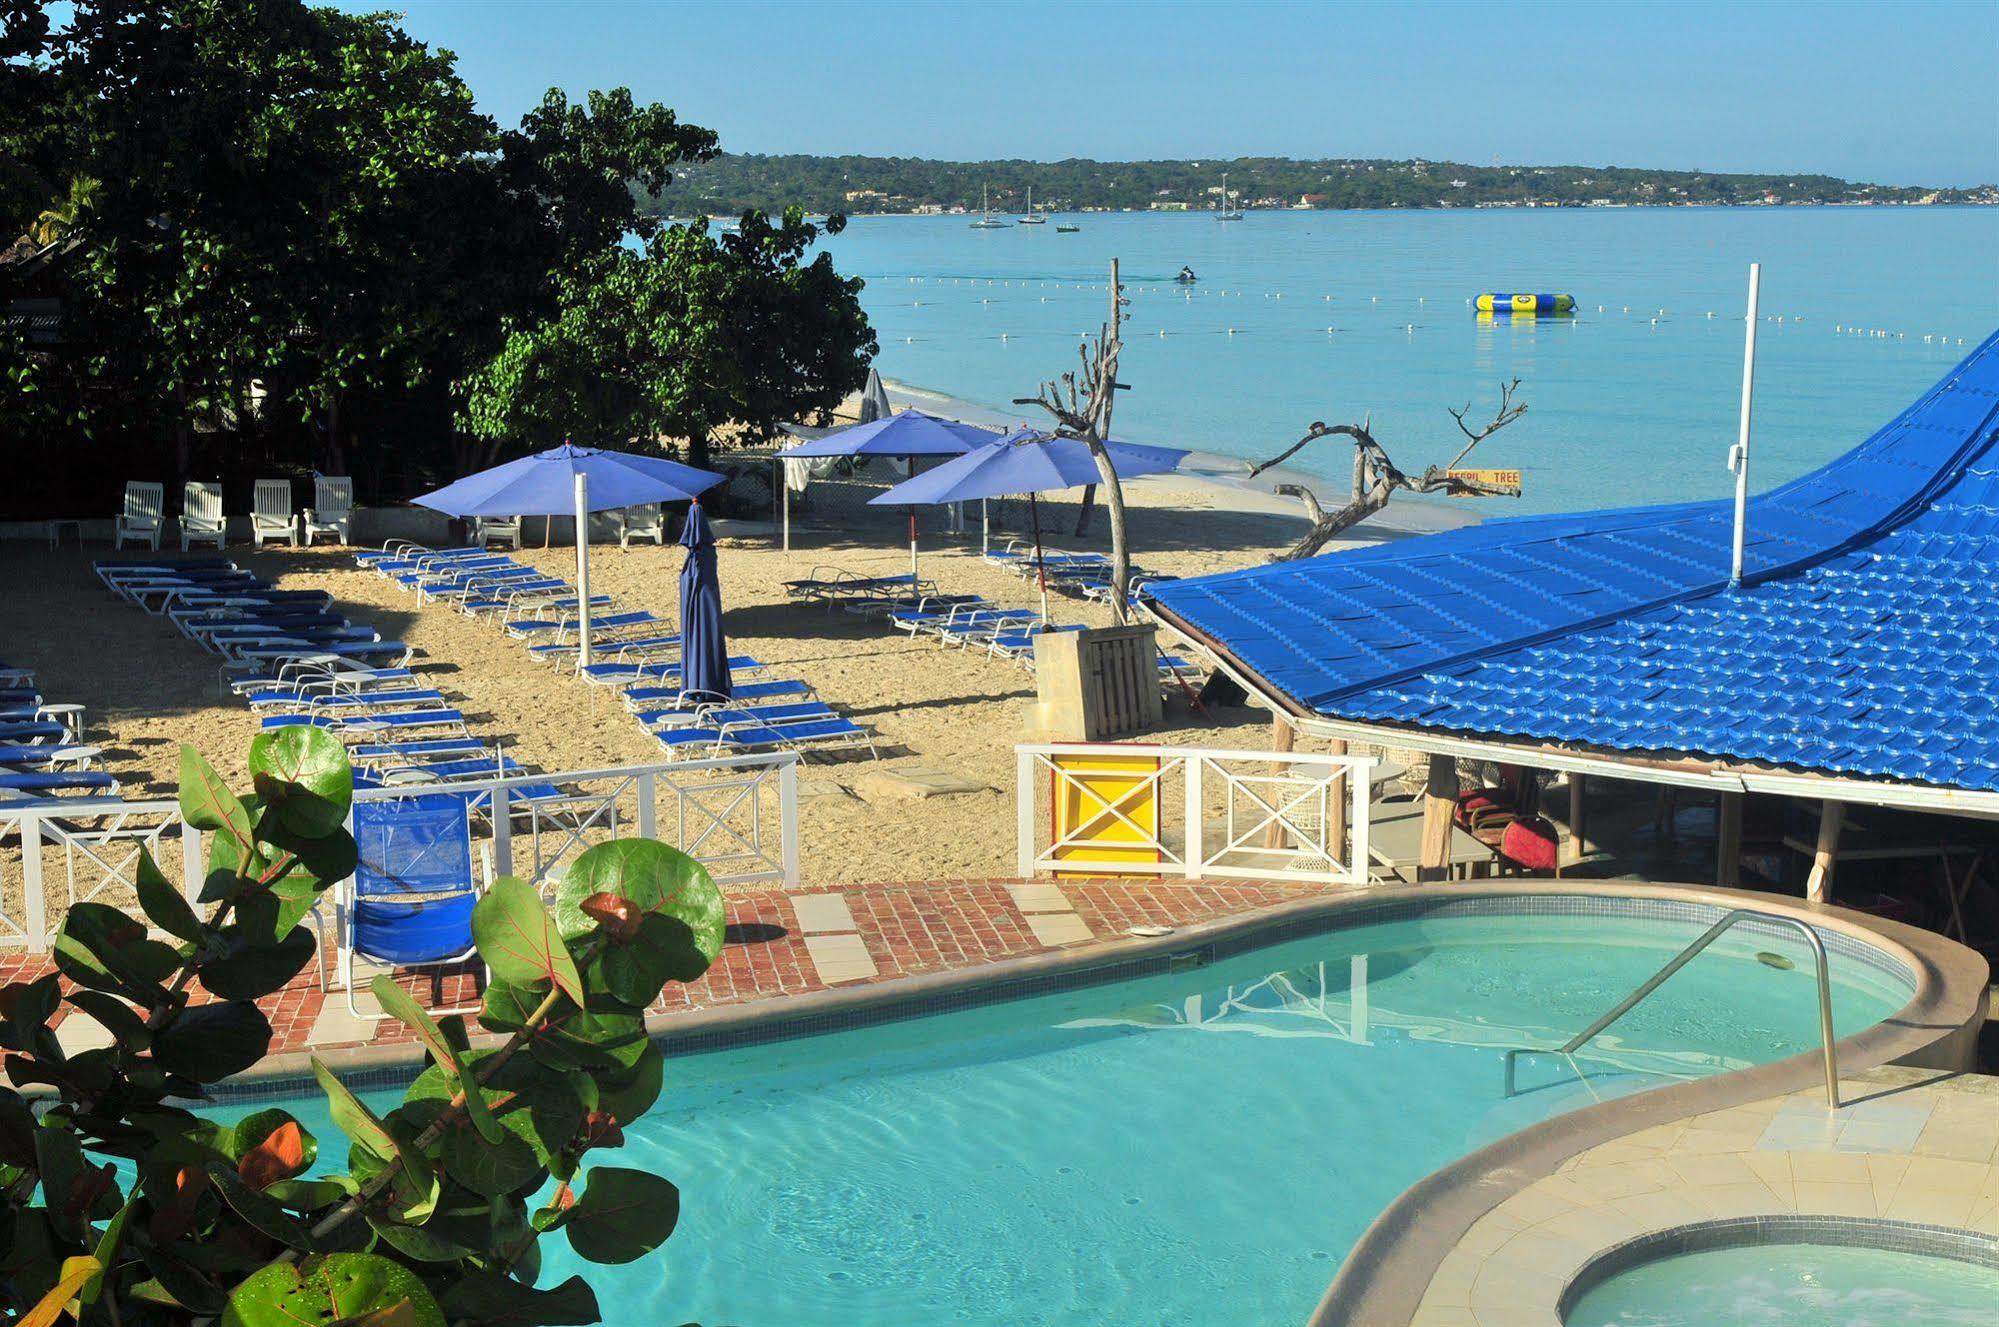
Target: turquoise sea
(1633, 403)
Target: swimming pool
(1794, 1285)
(1195, 1146)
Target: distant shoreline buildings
(916, 186)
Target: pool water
(1794, 1285)
(1200, 1148)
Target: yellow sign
(1106, 811)
(1507, 480)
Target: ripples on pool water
(1634, 404)
(1794, 1285)
(1201, 1148)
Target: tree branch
(1377, 479)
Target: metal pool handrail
(1686, 956)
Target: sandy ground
(958, 712)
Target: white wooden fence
(738, 816)
(1190, 811)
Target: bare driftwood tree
(1376, 478)
(1081, 403)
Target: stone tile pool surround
(1385, 1275)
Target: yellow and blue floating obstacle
(1528, 304)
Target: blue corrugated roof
(1864, 640)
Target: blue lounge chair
(40, 785)
(436, 748)
(644, 701)
(409, 902)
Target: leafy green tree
(307, 199)
(440, 1209)
(693, 334)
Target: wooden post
(1283, 737)
(1336, 807)
(1728, 847)
(1818, 888)
(1578, 846)
(1440, 803)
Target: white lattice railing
(1115, 808)
(737, 816)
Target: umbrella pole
(985, 526)
(914, 581)
(1040, 563)
(582, 569)
(784, 484)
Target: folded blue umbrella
(704, 654)
(544, 484)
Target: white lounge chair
(642, 522)
(332, 509)
(271, 512)
(144, 514)
(490, 530)
(201, 520)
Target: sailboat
(985, 221)
(1229, 211)
(1031, 217)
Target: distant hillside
(733, 183)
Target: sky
(1893, 91)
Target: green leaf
(106, 1252)
(212, 1041)
(164, 903)
(416, 1242)
(255, 1130)
(74, 1191)
(249, 967)
(400, 1005)
(115, 1016)
(207, 803)
(303, 775)
(662, 881)
(488, 1299)
(518, 940)
(534, 1113)
(622, 1216)
(101, 947)
(362, 1289)
(628, 1095)
(261, 1212)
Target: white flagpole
(583, 569)
(1738, 456)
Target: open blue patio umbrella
(570, 480)
(704, 653)
(907, 435)
(1027, 462)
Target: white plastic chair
(332, 509)
(642, 522)
(271, 512)
(201, 520)
(490, 530)
(144, 514)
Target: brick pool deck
(791, 942)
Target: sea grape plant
(125, 1207)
